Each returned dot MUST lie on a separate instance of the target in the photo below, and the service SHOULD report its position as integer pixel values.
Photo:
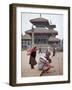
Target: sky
(56, 19)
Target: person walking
(54, 52)
(32, 60)
(48, 56)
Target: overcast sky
(56, 19)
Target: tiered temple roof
(41, 22)
(42, 30)
(42, 26)
(26, 36)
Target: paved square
(26, 71)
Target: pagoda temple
(42, 34)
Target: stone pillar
(32, 36)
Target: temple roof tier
(53, 39)
(51, 26)
(40, 22)
(26, 36)
(42, 30)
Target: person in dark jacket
(53, 51)
(48, 56)
(32, 60)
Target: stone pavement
(26, 71)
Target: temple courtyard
(26, 71)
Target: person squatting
(43, 63)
